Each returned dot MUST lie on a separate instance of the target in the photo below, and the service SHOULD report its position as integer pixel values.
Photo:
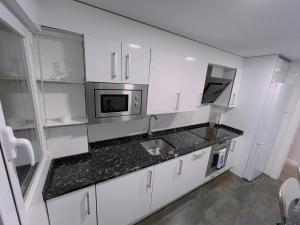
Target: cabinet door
(166, 73)
(194, 170)
(135, 63)
(102, 59)
(232, 154)
(166, 183)
(236, 88)
(76, 208)
(192, 85)
(126, 199)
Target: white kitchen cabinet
(102, 59)
(192, 85)
(233, 153)
(166, 183)
(236, 88)
(164, 93)
(135, 64)
(126, 199)
(194, 170)
(75, 208)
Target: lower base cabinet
(76, 208)
(126, 199)
(177, 177)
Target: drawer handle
(233, 99)
(180, 167)
(177, 101)
(233, 147)
(199, 100)
(88, 203)
(149, 184)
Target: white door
(236, 88)
(19, 136)
(102, 59)
(194, 170)
(165, 80)
(75, 208)
(126, 199)
(166, 183)
(192, 85)
(135, 64)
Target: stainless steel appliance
(108, 102)
(218, 157)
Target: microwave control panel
(136, 102)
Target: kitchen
(112, 115)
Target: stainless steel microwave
(108, 102)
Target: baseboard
(292, 163)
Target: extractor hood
(213, 88)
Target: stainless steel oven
(218, 157)
(111, 102)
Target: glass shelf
(56, 123)
(62, 81)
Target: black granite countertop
(112, 158)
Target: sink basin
(157, 147)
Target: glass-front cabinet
(16, 96)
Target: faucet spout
(149, 124)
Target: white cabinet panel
(236, 88)
(166, 183)
(102, 59)
(135, 64)
(194, 170)
(166, 73)
(192, 85)
(233, 153)
(76, 208)
(125, 199)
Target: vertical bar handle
(199, 100)
(177, 101)
(88, 203)
(180, 167)
(127, 69)
(233, 147)
(114, 65)
(233, 99)
(150, 174)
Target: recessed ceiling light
(190, 58)
(134, 46)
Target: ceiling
(244, 27)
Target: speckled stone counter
(112, 158)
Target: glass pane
(17, 102)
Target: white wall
(294, 154)
(83, 19)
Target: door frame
(33, 202)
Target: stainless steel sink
(157, 147)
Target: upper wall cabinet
(110, 61)
(102, 59)
(135, 63)
(176, 83)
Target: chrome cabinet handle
(127, 69)
(180, 167)
(199, 156)
(88, 203)
(233, 147)
(233, 99)
(199, 100)
(149, 184)
(113, 65)
(177, 101)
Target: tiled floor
(227, 200)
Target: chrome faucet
(149, 125)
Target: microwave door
(113, 103)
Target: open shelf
(12, 78)
(56, 123)
(25, 127)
